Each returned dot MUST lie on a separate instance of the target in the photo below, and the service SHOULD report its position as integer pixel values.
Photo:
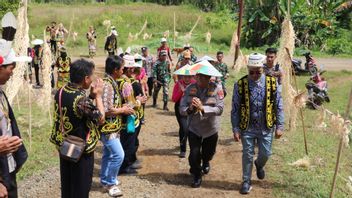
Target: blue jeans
(264, 151)
(111, 161)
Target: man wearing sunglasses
(257, 112)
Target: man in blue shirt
(257, 112)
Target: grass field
(129, 18)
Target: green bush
(341, 44)
(7, 6)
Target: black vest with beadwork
(244, 93)
(74, 123)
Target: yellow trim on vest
(243, 91)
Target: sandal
(114, 191)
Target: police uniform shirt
(207, 123)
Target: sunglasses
(255, 72)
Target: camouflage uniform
(222, 68)
(161, 72)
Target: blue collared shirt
(257, 102)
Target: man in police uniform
(257, 112)
(162, 76)
(203, 104)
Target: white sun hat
(12, 58)
(256, 60)
(163, 40)
(129, 61)
(37, 42)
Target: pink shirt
(142, 75)
(179, 88)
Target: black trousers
(76, 178)
(150, 85)
(182, 122)
(12, 186)
(36, 71)
(201, 150)
(128, 142)
(53, 46)
(136, 145)
(52, 77)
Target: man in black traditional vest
(257, 112)
(80, 118)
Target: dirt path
(163, 174)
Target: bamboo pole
(337, 166)
(30, 118)
(195, 25)
(300, 109)
(174, 29)
(239, 27)
(70, 28)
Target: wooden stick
(337, 166)
(300, 109)
(195, 25)
(349, 106)
(239, 27)
(70, 28)
(289, 8)
(174, 29)
(30, 118)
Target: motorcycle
(317, 89)
(310, 66)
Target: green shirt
(161, 71)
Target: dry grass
(21, 44)
(287, 46)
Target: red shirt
(166, 49)
(179, 88)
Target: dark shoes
(245, 188)
(206, 167)
(136, 165)
(260, 171)
(165, 107)
(197, 181)
(154, 103)
(182, 154)
(128, 171)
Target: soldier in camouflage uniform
(222, 68)
(162, 76)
